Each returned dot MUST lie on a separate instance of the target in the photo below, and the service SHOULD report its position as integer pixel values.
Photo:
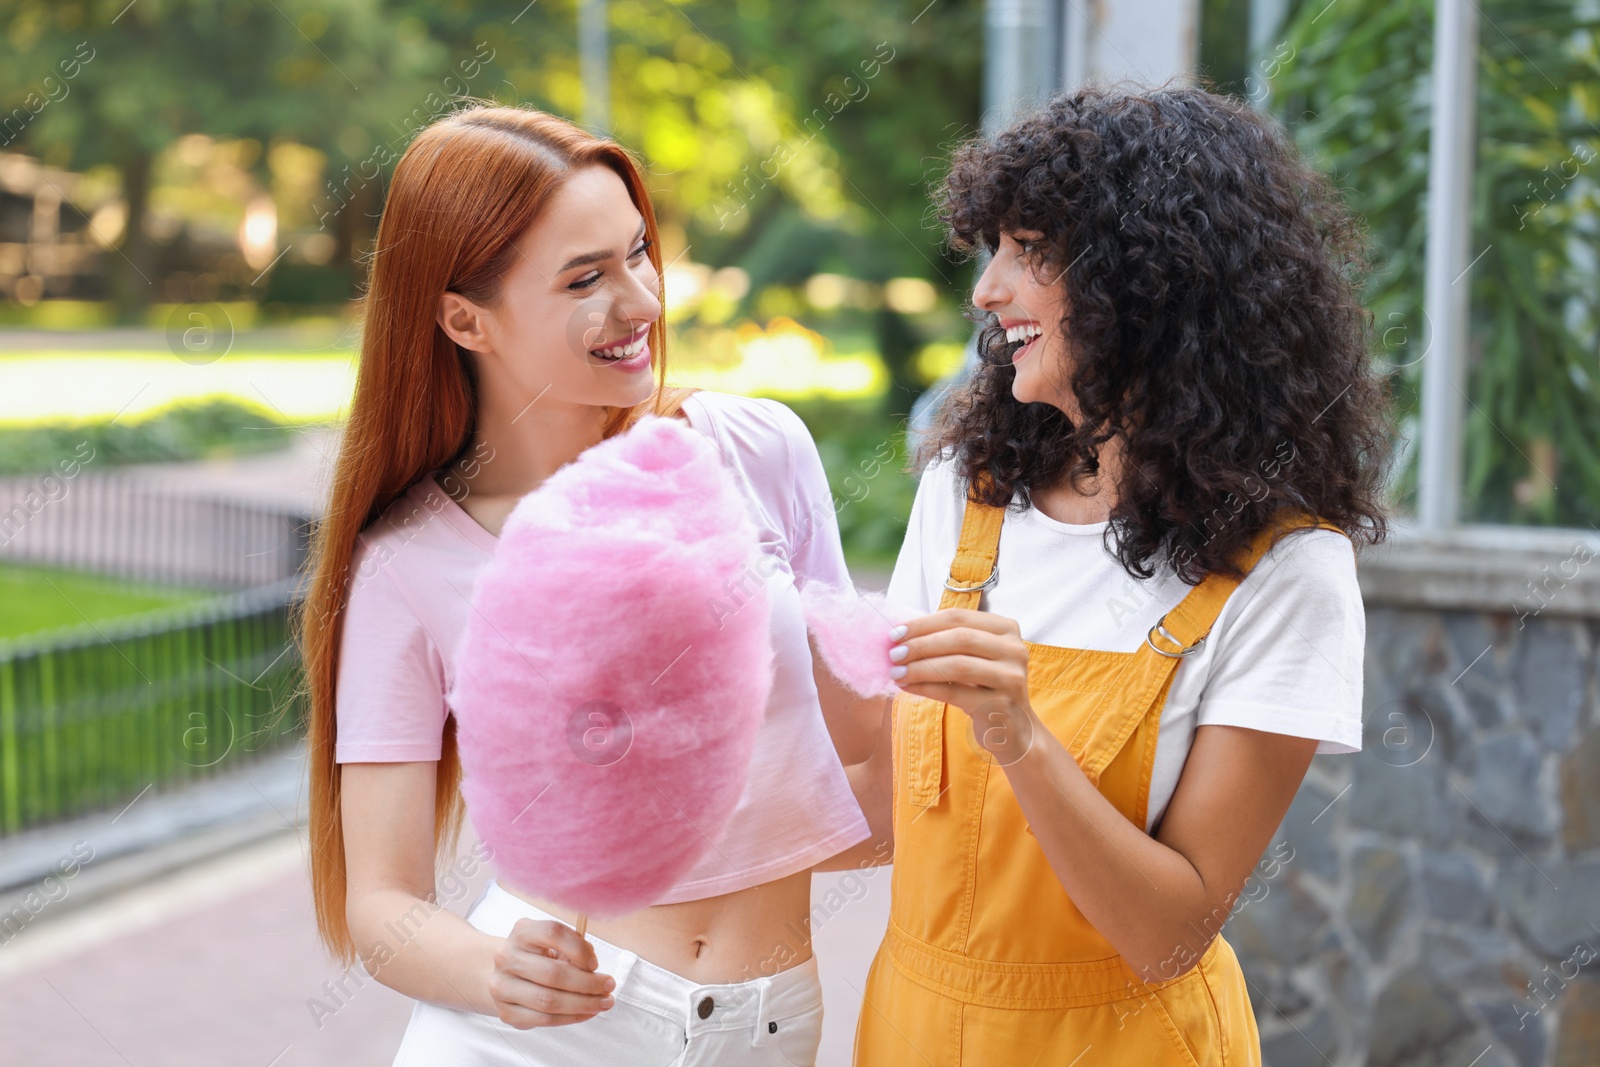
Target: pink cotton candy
(851, 629)
(606, 714)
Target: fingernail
(608, 1001)
(897, 633)
(610, 984)
(898, 652)
(897, 672)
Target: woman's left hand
(977, 661)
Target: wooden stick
(583, 924)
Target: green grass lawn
(42, 598)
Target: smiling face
(1030, 304)
(571, 321)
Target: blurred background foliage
(819, 279)
(206, 429)
(1351, 79)
(790, 149)
(313, 101)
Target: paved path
(219, 966)
(208, 968)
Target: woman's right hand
(546, 975)
(543, 974)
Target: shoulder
(941, 489)
(761, 436)
(1305, 581)
(750, 420)
(395, 554)
(381, 622)
(942, 471)
(1291, 644)
(402, 520)
(1313, 559)
(373, 590)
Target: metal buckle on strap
(987, 583)
(1161, 627)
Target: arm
(1158, 900)
(872, 781)
(543, 974)
(859, 726)
(854, 721)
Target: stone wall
(1435, 899)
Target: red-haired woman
(513, 319)
(1134, 545)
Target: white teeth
(1026, 331)
(627, 351)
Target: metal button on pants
(660, 1019)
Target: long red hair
(465, 190)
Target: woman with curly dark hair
(1134, 542)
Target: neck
(1064, 502)
(517, 444)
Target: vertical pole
(52, 802)
(1075, 30)
(1446, 307)
(1022, 65)
(1267, 20)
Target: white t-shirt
(1284, 656)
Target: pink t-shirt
(411, 581)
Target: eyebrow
(594, 257)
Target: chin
(627, 398)
(1032, 385)
(1023, 389)
(644, 387)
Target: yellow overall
(987, 962)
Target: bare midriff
(736, 937)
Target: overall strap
(973, 569)
(975, 561)
(1194, 616)
(1179, 633)
(1103, 734)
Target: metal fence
(93, 715)
(92, 720)
(122, 525)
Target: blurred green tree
(1352, 82)
(786, 139)
(894, 143)
(146, 73)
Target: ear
(465, 322)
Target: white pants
(659, 1018)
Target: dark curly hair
(1211, 281)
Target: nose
(639, 301)
(992, 292)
